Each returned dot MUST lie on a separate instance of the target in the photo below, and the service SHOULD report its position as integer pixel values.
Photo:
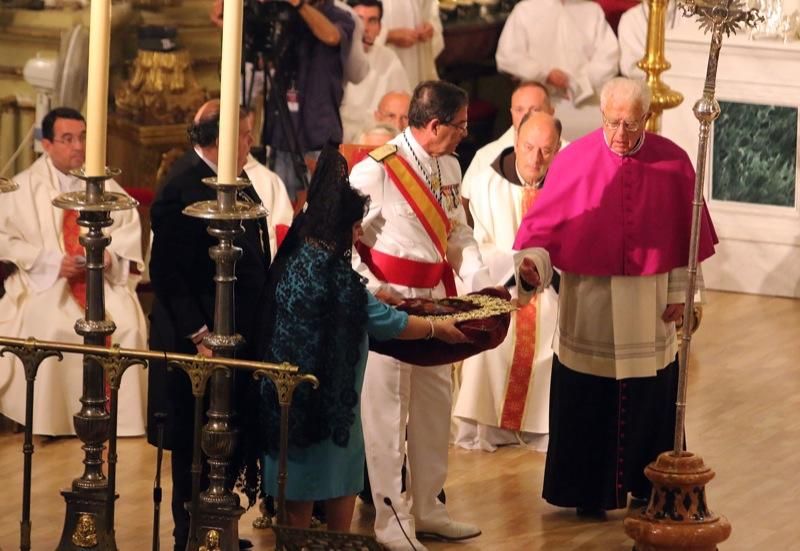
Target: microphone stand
(388, 502)
(159, 419)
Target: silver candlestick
(89, 509)
(217, 509)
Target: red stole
(521, 372)
(72, 246)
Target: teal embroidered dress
(323, 314)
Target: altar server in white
(386, 74)
(412, 28)
(568, 45)
(504, 394)
(44, 294)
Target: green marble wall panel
(754, 156)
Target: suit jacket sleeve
(180, 248)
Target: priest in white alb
(386, 74)
(46, 293)
(504, 394)
(412, 29)
(568, 45)
(528, 97)
(272, 191)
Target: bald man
(393, 110)
(504, 394)
(528, 97)
(183, 279)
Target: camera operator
(313, 76)
(309, 67)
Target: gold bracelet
(433, 330)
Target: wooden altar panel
(137, 150)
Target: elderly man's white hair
(626, 90)
(381, 129)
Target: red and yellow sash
(428, 210)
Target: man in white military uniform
(566, 44)
(386, 74)
(412, 28)
(528, 96)
(407, 250)
(46, 293)
(503, 397)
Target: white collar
(205, 159)
(633, 151)
(66, 182)
(411, 141)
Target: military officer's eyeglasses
(462, 126)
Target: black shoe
(245, 544)
(595, 513)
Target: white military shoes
(448, 531)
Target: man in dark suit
(182, 276)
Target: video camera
(266, 25)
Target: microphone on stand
(388, 502)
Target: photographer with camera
(303, 46)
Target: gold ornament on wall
(162, 89)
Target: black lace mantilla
(319, 325)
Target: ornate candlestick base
(677, 517)
(654, 63)
(86, 525)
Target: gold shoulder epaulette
(384, 151)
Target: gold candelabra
(654, 63)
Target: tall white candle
(97, 93)
(229, 91)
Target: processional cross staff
(721, 16)
(677, 516)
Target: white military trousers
(400, 399)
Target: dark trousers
(181, 461)
(181, 495)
